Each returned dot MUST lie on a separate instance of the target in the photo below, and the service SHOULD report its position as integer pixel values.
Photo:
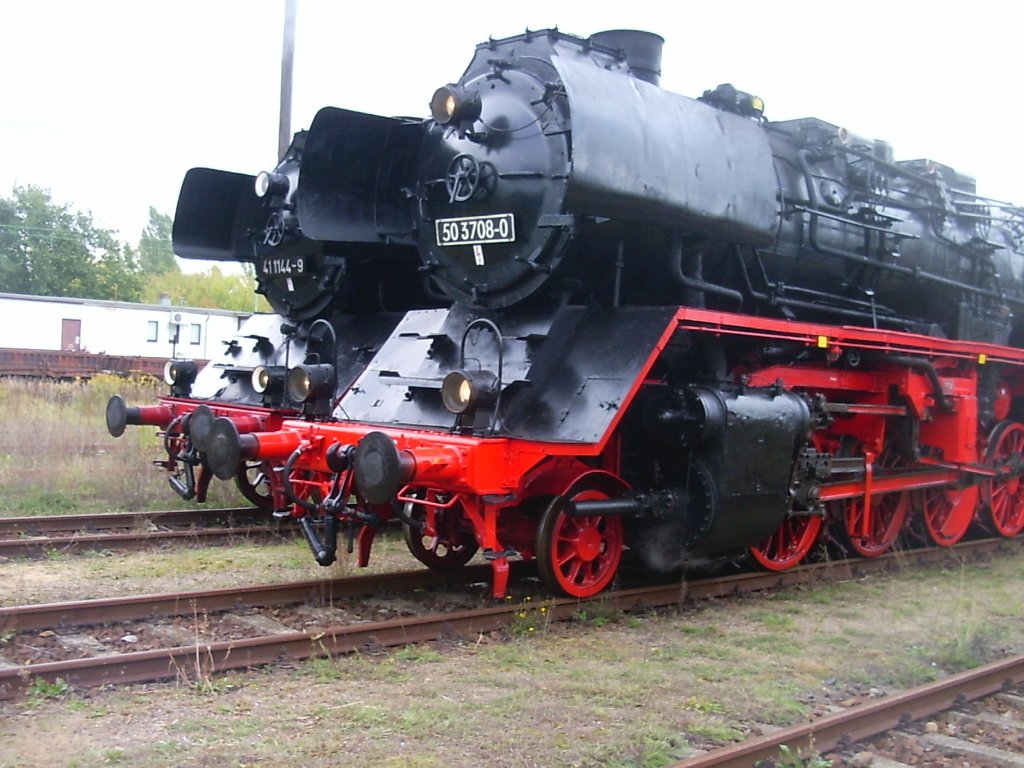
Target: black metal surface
(907, 238)
(666, 159)
(221, 216)
(263, 340)
(642, 51)
(752, 460)
(117, 415)
(354, 169)
(564, 372)
(580, 377)
(521, 169)
(378, 468)
(208, 206)
(310, 263)
(402, 384)
(715, 465)
(199, 425)
(223, 448)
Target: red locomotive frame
(515, 497)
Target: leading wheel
(1004, 494)
(874, 534)
(789, 544)
(253, 481)
(449, 547)
(948, 513)
(578, 555)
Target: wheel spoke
(574, 571)
(562, 559)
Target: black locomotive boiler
(677, 328)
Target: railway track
(845, 731)
(36, 536)
(273, 641)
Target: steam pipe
(627, 505)
(675, 263)
(798, 304)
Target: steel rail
(867, 720)
(193, 662)
(30, 525)
(28, 618)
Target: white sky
(109, 103)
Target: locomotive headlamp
(467, 391)
(309, 382)
(730, 99)
(180, 372)
(268, 380)
(270, 183)
(454, 104)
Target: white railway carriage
(66, 337)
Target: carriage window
(152, 329)
(197, 333)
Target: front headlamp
(180, 372)
(454, 104)
(309, 382)
(468, 391)
(268, 379)
(270, 184)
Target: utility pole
(284, 134)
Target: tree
(156, 256)
(212, 289)
(48, 249)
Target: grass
(40, 689)
(178, 569)
(41, 420)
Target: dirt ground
(606, 690)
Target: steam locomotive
(672, 327)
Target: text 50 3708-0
(477, 230)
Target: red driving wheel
(875, 534)
(450, 546)
(789, 544)
(948, 513)
(1004, 494)
(578, 555)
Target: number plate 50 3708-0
(477, 230)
